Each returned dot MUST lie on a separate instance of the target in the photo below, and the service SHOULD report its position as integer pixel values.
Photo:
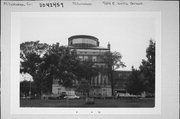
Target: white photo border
(15, 65)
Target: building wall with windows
(88, 49)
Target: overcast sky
(128, 35)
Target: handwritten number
(55, 4)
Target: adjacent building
(120, 80)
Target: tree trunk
(88, 94)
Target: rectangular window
(85, 58)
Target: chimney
(109, 46)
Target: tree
(62, 63)
(24, 88)
(113, 61)
(31, 54)
(84, 87)
(135, 84)
(47, 62)
(35, 47)
(143, 79)
(147, 68)
(86, 70)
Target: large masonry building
(87, 48)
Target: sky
(128, 35)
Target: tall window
(85, 58)
(94, 58)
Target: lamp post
(30, 89)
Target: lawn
(146, 102)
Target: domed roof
(83, 41)
(83, 36)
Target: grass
(147, 102)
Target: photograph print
(88, 60)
